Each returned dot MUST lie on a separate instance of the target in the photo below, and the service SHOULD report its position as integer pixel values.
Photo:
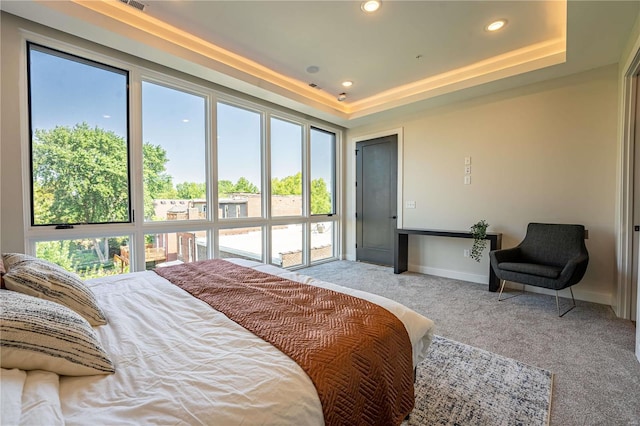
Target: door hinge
(356, 215)
(357, 151)
(356, 245)
(636, 228)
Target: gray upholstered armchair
(552, 256)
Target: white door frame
(622, 304)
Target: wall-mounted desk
(401, 249)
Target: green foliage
(80, 256)
(320, 197)
(58, 252)
(191, 190)
(290, 185)
(243, 185)
(479, 232)
(80, 175)
(157, 183)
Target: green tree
(225, 187)
(243, 185)
(191, 190)
(157, 183)
(290, 185)
(320, 197)
(80, 175)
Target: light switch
(467, 180)
(411, 204)
(467, 160)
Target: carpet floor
(590, 351)
(458, 384)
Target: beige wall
(545, 152)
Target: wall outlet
(467, 253)
(467, 170)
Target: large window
(173, 150)
(79, 140)
(134, 169)
(286, 168)
(322, 171)
(239, 162)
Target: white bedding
(178, 361)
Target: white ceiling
(263, 48)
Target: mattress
(178, 361)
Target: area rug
(462, 385)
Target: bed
(179, 361)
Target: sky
(66, 93)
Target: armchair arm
(575, 269)
(506, 255)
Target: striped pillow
(46, 280)
(37, 334)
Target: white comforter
(178, 361)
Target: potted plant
(479, 232)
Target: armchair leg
(558, 303)
(502, 288)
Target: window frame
(54, 51)
(138, 228)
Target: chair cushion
(547, 271)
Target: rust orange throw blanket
(357, 354)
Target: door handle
(393, 217)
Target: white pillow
(37, 334)
(46, 280)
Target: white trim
(622, 305)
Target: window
(239, 158)
(173, 150)
(286, 168)
(89, 257)
(322, 171)
(286, 245)
(321, 241)
(79, 146)
(172, 248)
(245, 243)
(101, 152)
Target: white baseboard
(448, 273)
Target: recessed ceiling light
(347, 83)
(370, 6)
(342, 97)
(496, 25)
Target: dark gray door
(376, 199)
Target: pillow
(46, 280)
(37, 334)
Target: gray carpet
(589, 350)
(458, 384)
